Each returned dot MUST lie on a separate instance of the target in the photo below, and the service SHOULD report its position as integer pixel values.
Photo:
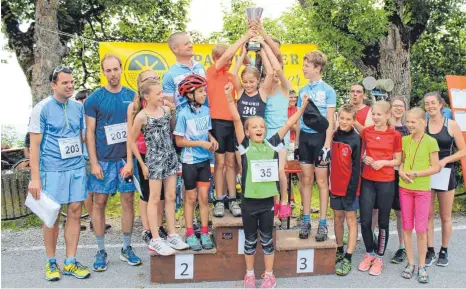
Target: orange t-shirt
(380, 145)
(218, 104)
(361, 114)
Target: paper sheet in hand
(458, 97)
(137, 185)
(45, 208)
(440, 180)
(460, 118)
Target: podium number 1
(305, 261)
(184, 266)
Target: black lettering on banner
(285, 59)
(208, 61)
(294, 59)
(197, 58)
(185, 269)
(304, 263)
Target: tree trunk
(395, 63)
(48, 51)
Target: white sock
(249, 272)
(268, 273)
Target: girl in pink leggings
(420, 161)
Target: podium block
(293, 256)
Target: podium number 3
(305, 261)
(303, 264)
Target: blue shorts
(65, 187)
(112, 182)
(340, 204)
(272, 131)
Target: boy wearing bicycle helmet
(192, 135)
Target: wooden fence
(13, 194)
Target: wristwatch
(415, 174)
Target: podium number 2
(184, 266)
(305, 261)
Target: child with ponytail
(381, 147)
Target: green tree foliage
(10, 137)
(349, 32)
(440, 51)
(291, 28)
(98, 20)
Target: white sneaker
(235, 209)
(175, 241)
(159, 247)
(219, 210)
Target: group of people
(245, 120)
(382, 159)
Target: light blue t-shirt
(174, 76)
(323, 96)
(55, 121)
(194, 126)
(276, 111)
(109, 108)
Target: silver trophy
(254, 13)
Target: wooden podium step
(293, 256)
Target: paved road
(22, 265)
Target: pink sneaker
(377, 266)
(249, 281)
(285, 211)
(268, 281)
(366, 262)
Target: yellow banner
(137, 57)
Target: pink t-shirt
(141, 143)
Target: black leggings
(259, 219)
(380, 193)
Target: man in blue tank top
(111, 158)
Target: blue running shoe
(129, 256)
(100, 261)
(206, 242)
(194, 243)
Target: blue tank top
(276, 110)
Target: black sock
(340, 250)
(348, 256)
(444, 249)
(430, 249)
